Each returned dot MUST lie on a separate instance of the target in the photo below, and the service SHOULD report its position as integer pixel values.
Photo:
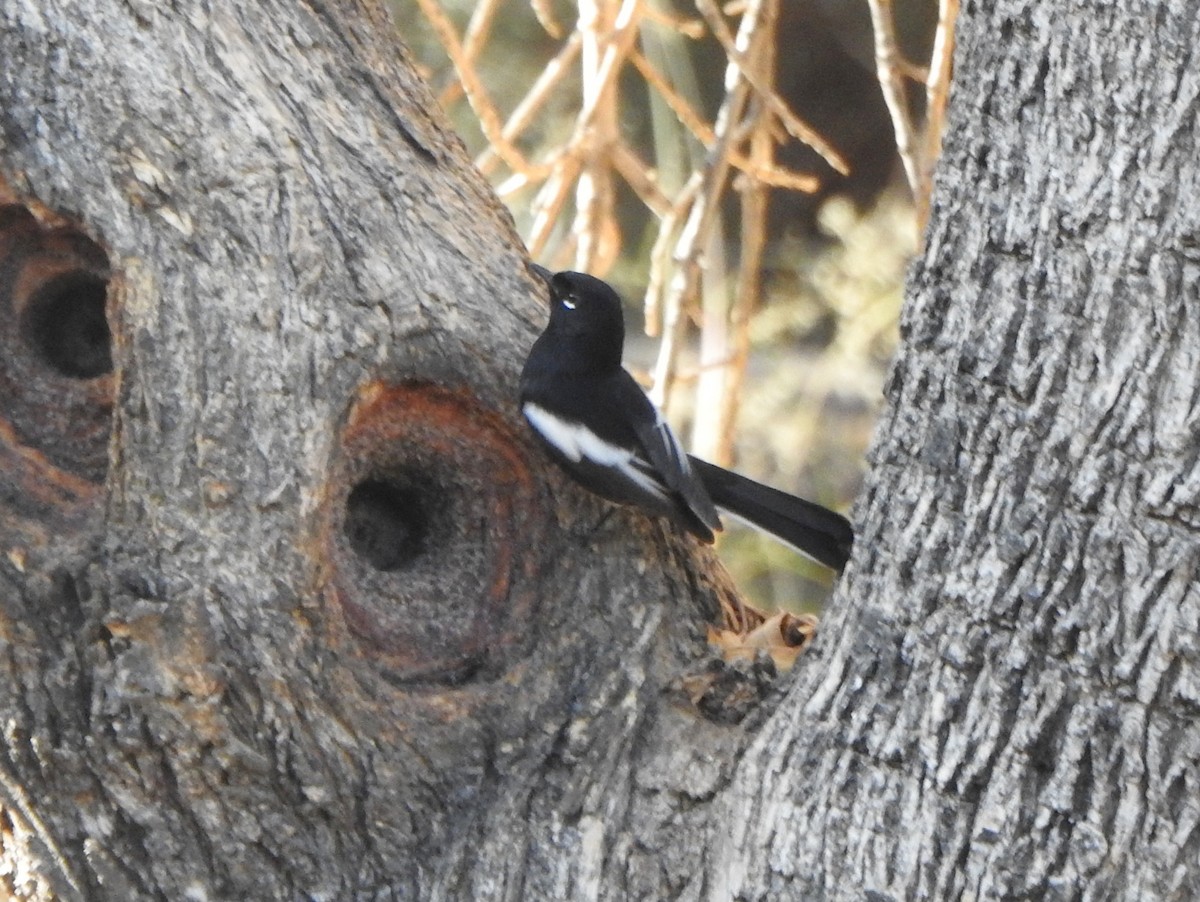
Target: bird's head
(584, 310)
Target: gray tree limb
(1004, 702)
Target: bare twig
(608, 32)
(660, 254)
(690, 28)
(798, 129)
(694, 238)
(594, 155)
(542, 9)
(769, 174)
(489, 119)
(937, 93)
(550, 201)
(533, 100)
(746, 299)
(918, 150)
(473, 44)
(640, 178)
(725, 337)
(888, 70)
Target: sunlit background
(733, 171)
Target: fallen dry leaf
(782, 635)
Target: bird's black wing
(613, 441)
(665, 456)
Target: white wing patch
(576, 442)
(671, 442)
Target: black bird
(599, 426)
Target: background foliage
(733, 168)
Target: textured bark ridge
(290, 605)
(1007, 702)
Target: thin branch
(695, 234)
(887, 66)
(550, 201)
(660, 254)
(773, 175)
(544, 12)
(912, 71)
(473, 44)
(689, 28)
(734, 52)
(727, 337)
(489, 119)
(640, 178)
(937, 93)
(688, 117)
(537, 95)
(616, 45)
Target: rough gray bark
(211, 687)
(1004, 702)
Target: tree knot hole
(56, 360)
(65, 324)
(387, 523)
(55, 279)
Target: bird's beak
(540, 271)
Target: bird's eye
(569, 302)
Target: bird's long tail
(814, 531)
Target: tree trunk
(291, 606)
(1004, 701)
(318, 620)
